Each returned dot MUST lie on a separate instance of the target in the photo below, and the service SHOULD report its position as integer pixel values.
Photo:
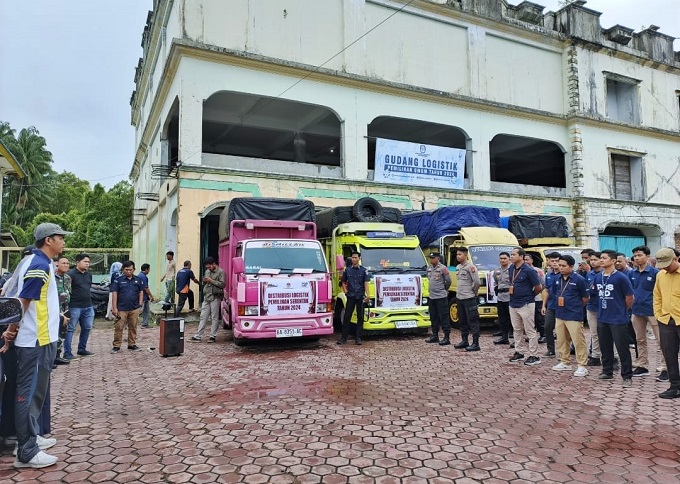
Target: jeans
(610, 335)
(468, 317)
(84, 316)
(145, 314)
(352, 304)
(439, 316)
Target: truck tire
(338, 316)
(367, 209)
(453, 312)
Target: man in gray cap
(35, 339)
(667, 313)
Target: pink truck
(277, 279)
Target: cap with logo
(48, 230)
(435, 254)
(664, 257)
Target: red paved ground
(392, 410)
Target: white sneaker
(39, 460)
(43, 444)
(581, 371)
(561, 367)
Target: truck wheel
(338, 316)
(239, 341)
(367, 209)
(453, 311)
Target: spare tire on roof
(367, 209)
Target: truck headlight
(482, 300)
(250, 310)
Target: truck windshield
(393, 259)
(485, 257)
(285, 256)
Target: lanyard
(515, 274)
(564, 288)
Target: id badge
(560, 301)
(511, 290)
(604, 304)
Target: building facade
(256, 98)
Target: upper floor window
(627, 178)
(622, 99)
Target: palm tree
(23, 199)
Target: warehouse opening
(527, 161)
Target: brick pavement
(393, 410)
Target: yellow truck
(540, 235)
(398, 287)
(475, 228)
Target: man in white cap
(35, 339)
(667, 313)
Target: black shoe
(85, 353)
(605, 376)
(594, 361)
(357, 341)
(542, 340)
(640, 371)
(473, 347)
(512, 345)
(572, 351)
(549, 354)
(497, 333)
(532, 361)
(501, 341)
(341, 341)
(134, 348)
(663, 376)
(432, 339)
(61, 361)
(446, 341)
(670, 393)
(461, 345)
(516, 357)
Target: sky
(67, 68)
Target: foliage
(98, 218)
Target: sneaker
(561, 367)
(542, 340)
(85, 353)
(581, 371)
(71, 357)
(212, 339)
(592, 361)
(195, 338)
(532, 361)
(627, 382)
(134, 348)
(640, 371)
(605, 376)
(659, 368)
(549, 354)
(663, 376)
(670, 393)
(39, 460)
(516, 357)
(114, 350)
(42, 442)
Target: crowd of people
(56, 299)
(618, 301)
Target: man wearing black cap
(667, 313)
(440, 280)
(35, 340)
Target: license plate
(288, 332)
(405, 324)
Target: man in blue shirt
(643, 279)
(128, 295)
(183, 287)
(592, 308)
(616, 297)
(524, 286)
(550, 301)
(571, 293)
(148, 297)
(355, 285)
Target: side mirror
(339, 262)
(11, 310)
(238, 265)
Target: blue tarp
(430, 225)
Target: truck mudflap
(297, 326)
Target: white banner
(404, 163)
(287, 296)
(491, 288)
(397, 291)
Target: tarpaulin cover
(265, 209)
(327, 220)
(430, 225)
(538, 226)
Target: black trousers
(610, 335)
(669, 334)
(504, 318)
(468, 317)
(182, 299)
(539, 320)
(549, 329)
(439, 316)
(352, 305)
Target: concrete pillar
(190, 125)
(355, 144)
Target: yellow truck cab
(484, 245)
(398, 286)
(539, 248)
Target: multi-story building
(259, 98)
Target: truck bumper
(391, 319)
(288, 327)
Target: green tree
(69, 192)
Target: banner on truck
(404, 163)
(397, 291)
(280, 297)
